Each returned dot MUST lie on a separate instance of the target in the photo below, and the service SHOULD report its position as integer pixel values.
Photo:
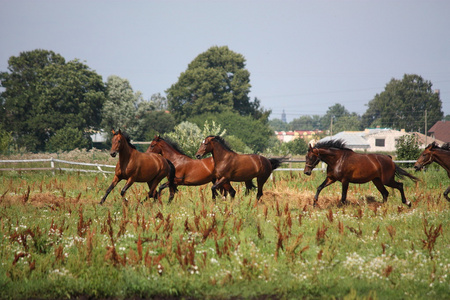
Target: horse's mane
(127, 138)
(173, 144)
(445, 146)
(338, 144)
(221, 141)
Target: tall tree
(403, 103)
(124, 108)
(214, 82)
(43, 94)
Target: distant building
(441, 131)
(283, 117)
(377, 139)
(288, 136)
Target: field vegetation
(57, 242)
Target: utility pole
(331, 127)
(426, 128)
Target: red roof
(441, 131)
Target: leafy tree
(189, 136)
(297, 146)
(306, 123)
(278, 125)
(215, 81)
(68, 138)
(124, 108)
(351, 122)
(254, 133)
(5, 139)
(447, 118)
(408, 148)
(43, 94)
(403, 103)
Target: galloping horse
(346, 166)
(440, 155)
(135, 166)
(188, 171)
(230, 166)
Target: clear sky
(303, 56)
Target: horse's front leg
(344, 192)
(225, 183)
(110, 188)
(129, 183)
(324, 184)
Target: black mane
(127, 138)
(221, 141)
(445, 146)
(338, 144)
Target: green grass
(57, 242)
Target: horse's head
(312, 159)
(205, 147)
(426, 157)
(117, 142)
(155, 146)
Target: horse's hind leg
(399, 186)
(381, 188)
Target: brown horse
(135, 166)
(346, 166)
(188, 171)
(230, 166)
(440, 155)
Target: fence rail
(98, 167)
(52, 166)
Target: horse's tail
(402, 173)
(171, 176)
(275, 162)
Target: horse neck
(442, 157)
(125, 153)
(219, 152)
(330, 156)
(170, 153)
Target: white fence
(96, 167)
(99, 168)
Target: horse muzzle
(307, 172)
(198, 156)
(113, 154)
(418, 167)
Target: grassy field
(57, 242)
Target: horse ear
(119, 132)
(113, 132)
(310, 147)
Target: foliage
(43, 94)
(5, 139)
(408, 147)
(58, 243)
(297, 146)
(402, 105)
(157, 123)
(125, 109)
(254, 133)
(214, 82)
(189, 136)
(306, 123)
(350, 122)
(67, 139)
(278, 125)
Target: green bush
(67, 139)
(408, 148)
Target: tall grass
(57, 242)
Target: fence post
(52, 165)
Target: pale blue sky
(303, 56)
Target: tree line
(48, 104)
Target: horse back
(244, 166)
(145, 167)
